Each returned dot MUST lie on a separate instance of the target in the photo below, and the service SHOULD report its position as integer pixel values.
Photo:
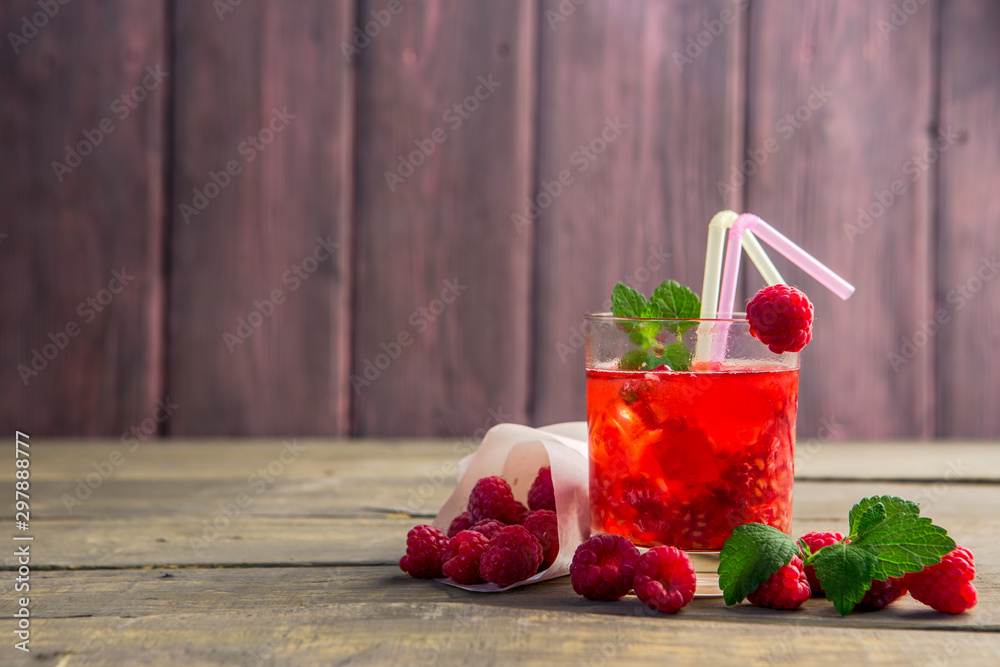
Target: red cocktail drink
(684, 447)
(681, 458)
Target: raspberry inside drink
(681, 458)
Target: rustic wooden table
(262, 552)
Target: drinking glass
(680, 457)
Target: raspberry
(520, 514)
(544, 526)
(665, 579)
(962, 558)
(947, 586)
(882, 593)
(817, 541)
(424, 549)
(461, 557)
(542, 496)
(787, 588)
(511, 556)
(460, 522)
(489, 528)
(603, 567)
(781, 318)
(491, 498)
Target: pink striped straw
(781, 243)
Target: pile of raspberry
(945, 587)
(497, 539)
(607, 567)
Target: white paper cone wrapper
(516, 453)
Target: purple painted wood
(416, 257)
(845, 102)
(260, 261)
(81, 350)
(446, 100)
(968, 235)
(642, 126)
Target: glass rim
(606, 316)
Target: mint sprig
(846, 571)
(627, 302)
(892, 505)
(670, 301)
(888, 538)
(872, 517)
(905, 543)
(750, 556)
(675, 301)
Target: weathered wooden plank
(82, 143)
(962, 462)
(968, 238)
(138, 593)
(369, 479)
(840, 104)
(274, 529)
(441, 326)
(419, 493)
(636, 198)
(214, 537)
(337, 496)
(337, 595)
(466, 630)
(194, 460)
(260, 259)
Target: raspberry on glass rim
(781, 317)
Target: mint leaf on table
(846, 571)
(887, 538)
(905, 543)
(750, 556)
(893, 506)
(872, 517)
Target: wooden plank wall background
(240, 188)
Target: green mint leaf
(872, 517)
(905, 543)
(676, 301)
(636, 334)
(627, 302)
(632, 360)
(678, 356)
(654, 361)
(846, 571)
(804, 548)
(750, 556)
(653, 310)
(893, 506)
